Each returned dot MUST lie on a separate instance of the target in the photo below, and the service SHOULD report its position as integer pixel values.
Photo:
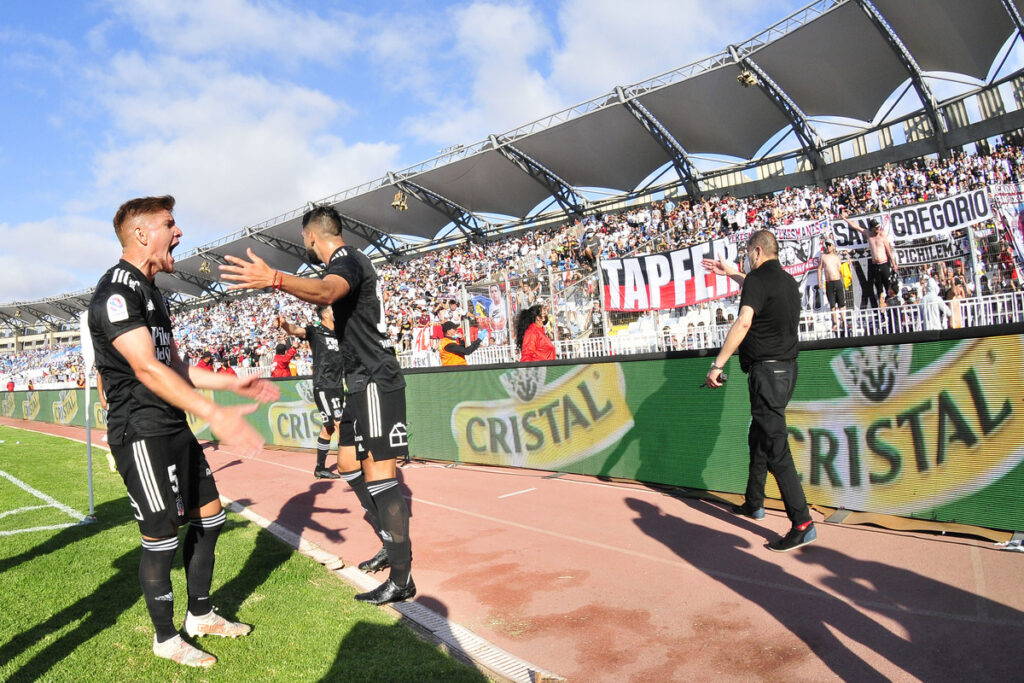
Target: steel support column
(809, 139)
(288, 247)
(924, 93)
(385, 243)
(689, 175)
(469, 223)
(1018, 21)
(565, 194)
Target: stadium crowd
(428, 290)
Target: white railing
(259, 370)
(996, 309)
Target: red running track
(600, 581)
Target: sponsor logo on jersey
(117, 308)
(544, 424)
(903, 441)
(162, 344)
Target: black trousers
(771, 385)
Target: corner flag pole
(89, 357)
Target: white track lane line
(516, 493)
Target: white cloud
(494, 48)
(510, 70)
(205, 27)
(234, 149)
(34, 269)
(610, 42)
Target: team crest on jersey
(150, 306)
(399, 435)
(117, 308)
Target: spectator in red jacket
(205, 361)
(282, 357)
(220, 366)
(531, 339)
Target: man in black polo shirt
(376, 387)
(765, 332)
(148, 389)
(328, 386)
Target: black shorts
(836, 293)
(380, 423)
(166, 476)
(879, 275)
(347, 426)
(330, 403)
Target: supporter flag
(420, 339)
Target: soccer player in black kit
(375, 383)
(328, 386)
(149, 388)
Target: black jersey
(367, 352)
(774, 295)
(124, 300)
(328, 370)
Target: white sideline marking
(42, 496)
(516, 493)
(24, 509)
(39, 528)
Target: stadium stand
(419, 293)
(479, 221)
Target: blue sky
(245, 109)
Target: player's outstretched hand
(251, 274)
(257, 389)
(719, 266)
(228, 424)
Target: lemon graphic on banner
(545, 425)
(902, 443)
(66, 408)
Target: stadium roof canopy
(834, 58)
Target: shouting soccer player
(148, 389)
(375, 383)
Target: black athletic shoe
(389, 591)
(376, 563)
(794, 539)
(324, 473)
(747, 511)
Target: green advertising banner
(928, 429)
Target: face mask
(746, 265)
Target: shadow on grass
(95, 612)
(374, 652)
(109, 514)
(269, 552)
